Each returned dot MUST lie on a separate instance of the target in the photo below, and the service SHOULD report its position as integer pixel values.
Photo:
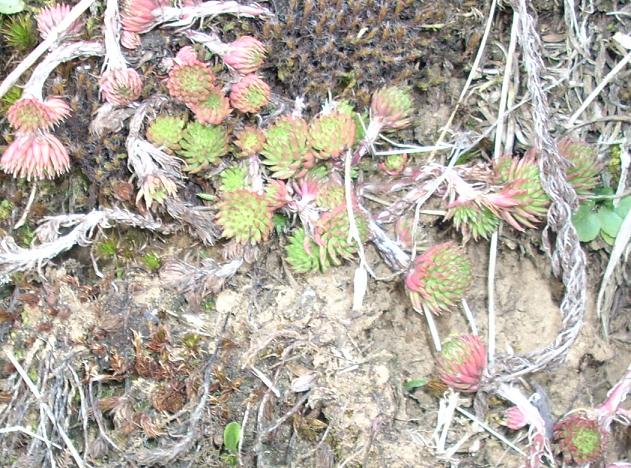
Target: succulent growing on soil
(462, 362)
(330, 194)
(120, 86)
(31, 114)
(584, 171)
(166, 131)
(394, 164)
(245, 216)
(332, 235)
(392, 107)
(276, 194)
(580, 439)
(249, 142)
(35, 156)
(137, 15)
(245, 55)
(48, 18)
(212, 110)
(19, 33)
(233, 178)
(203, 145)
(286, 147)
(514, 418)
(191, 82)
(331, 133)
(303, 254)
(438, 278)
(473, 220)
(522, 177)
(250, 94)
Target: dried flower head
(35, 156)
(332, 133)
(462, 362)
(155, 188)
(203, 145)
(438, 278)
(392, 107)
(166, 132)
(31, 114)
(245, 55)
(212, 110)
(249, 142)
(191, 82)
(50, 17)
(120, 86)
(580, 439)
(250, 94)
(245, 217)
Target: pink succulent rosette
(462, 362)
(392, 107)
(137, 15)
(120, 86)
(213, 110)
(514, 418)
(31, 114)
(250, 94)
(245, 55)
(48, 18)
(580, 439)
(35, 156)
(190, 81)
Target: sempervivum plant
(233, 178)
(203, 145)
(249, 142)
(394, 164)
(245, 55)
(330, 194)
(584, 170)
(303, 254)
(331, 235)
(250, 94)
(473, 220)
(438, 278)
(286, 147)
(392, 107)
(48, 18)
(332, 133)
(35, 156)
(462, 362)
(522, 177)
(120, 86)
(166, 131)
(191, 82)
(245, 216)
(31, 114)
(580, 439)
(212, 110)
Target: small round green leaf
(231, 436)
(414, 383)
(586, 223)
(609, 221)
(608, 239)
(624, 206)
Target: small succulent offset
(191, 82)
(286, 147)
(332, 235)
(392, 107)
(166, 131)
(332, 133)
(473, 220)
(212, 110)
(584, 172)
(203, 145)
(462, 362)
(580, 439)
(438, 278)
(250, 94)
(245, 216)
(249, 142)
(245, 55)
(303, 254)
(233, 178)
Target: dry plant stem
(182, 17)
(614, 71)
(23, 430)
(44, 407)
(470, 317)
(52, 38)
(111, 31)
(84, 410)
(244, 423)
(472, 73)
(27, 208)
(294, 409)
(432, 329)
(211, 41)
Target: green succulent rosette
(203, 145)
(245, 216)
(166, 132)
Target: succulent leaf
(245, 216)
(166, 131)
(462, 362)
(203, 145)
(580, 439)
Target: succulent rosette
(249, 142)
(35, 156)
(521, 176)
(332, 133)
(191, 82)
(580, 439)
(286, 147)
(473, 220)
(137, 15)
(245, 55)
(303, 254)
(332, 235)
(203, 145)
(166, 131)
(394, 164)
(392, 107)
(514, 418)
(50, 17)
(233, 178)
(31, 114)
(245, 216)
(438, 278)
(213, 110)
(583, 174)
(250, 94)
(462, 362)
(330, 194)
(277, 194)
(120, 86)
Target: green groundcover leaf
(231, 436)
(415, 383)
(8, 7)
(586, 222)
(624, 206)
(609, 221)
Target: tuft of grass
(20, 33)
(152, 261)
